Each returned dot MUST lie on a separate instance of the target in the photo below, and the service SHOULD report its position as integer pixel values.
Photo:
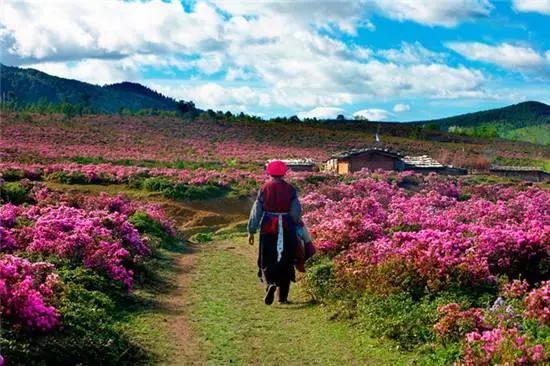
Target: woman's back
(277, 196)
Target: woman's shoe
(270, 294)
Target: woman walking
(276, 213)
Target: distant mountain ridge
(31, 86)
(520, 115)
(526, 121)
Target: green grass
(236, 327)
(543, 164)
(536, 134)
(146, 319)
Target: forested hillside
(28, 86)
(527, 121)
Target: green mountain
(26, 86)
(527, 121)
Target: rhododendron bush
(53, 233)
(436, 236)
(27, 291)
(110, 173)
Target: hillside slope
(527, 121)
(32, 86)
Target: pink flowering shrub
(502, 347)
(95, 232)
(28, 293)
(537, 304)
(515, 289)
(93, 243)
(441, 239)
(439, 242)
(455, 322)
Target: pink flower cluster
(436, 236)
(537, 304)
(93, 231)
(110, 173)
(515, 289)
(454, 321)
(501, 346)
(27, 293)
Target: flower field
(161, 139)
(64, 262)
(470, 261)
(454, 270)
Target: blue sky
(380, 59)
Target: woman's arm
(256, 214)
(295, 209)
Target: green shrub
(316, 179)
(90, 334)
(68, 178)
(319, 278)
(190, 192)
(14, 192)
(157, 184)
(137, 180)
(203, 237)
(398, 317)
(12, 175)
(145, 225)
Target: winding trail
(219, 317)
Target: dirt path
(220, 318)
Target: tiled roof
(516, 168)
(354, 152)
(291, 162)
(423, 161)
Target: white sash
(280, 234)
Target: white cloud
(321, 113)
(344, 15)
(447, 13)
(412, 53)
(373, 114)
(91, 71)
(65, 30)
(398, 108)
(519, 58)
(289, 53)
(538, 6)
(213, 95)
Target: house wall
(373, 161)
(343, 167)
(302, 168)
(331, 166)
(532, 176)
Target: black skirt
(270, 270)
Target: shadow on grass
(142, 312)
(297, 305)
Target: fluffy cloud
(321, 113)
(538, 6)
(412, 53)
(519, 58)
(289, 53)
(213, 95)
(72, 30)
(373, 114)
(398, 108)
(91, 71)
(447, 13)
